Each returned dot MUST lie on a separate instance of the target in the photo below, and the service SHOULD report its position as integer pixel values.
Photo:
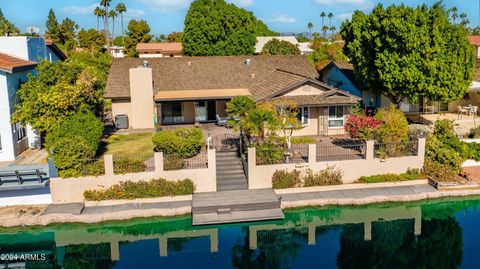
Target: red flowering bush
(361, 127)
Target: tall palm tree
(333, 29)
(121, 8)
(454, 13)
(98, 11)
(324, 30)
(310, 26)
(330, 16)
(106, 4)
(323, 15)
(112, 14)
(463, 18)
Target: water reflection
(421, 235)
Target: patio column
(252, 162)
(312, 153)
(158, 160)
(108, 162)
(369, 151)
(421, 148)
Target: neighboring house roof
(347, 69)
(477, 71)
(11, 64)
(305, 47)
(330, 97)
(163, 47)
(210, 73)
(50, 44)
(474, 40)
(262, 40)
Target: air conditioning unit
(121, 121)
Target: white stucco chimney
(141, 97)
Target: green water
(434, 234)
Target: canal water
(434, 234)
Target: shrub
(302, 140)
(282, 179)
(185, 142)
(270, 154)
(142, 189)
(439, 172)
(328, 176)
(125, 165)
(70, 155)
(409, 175)
(418, 131)
(474, 133)
(173, 162)
(361, 127)
(393, 127)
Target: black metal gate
(226, 143)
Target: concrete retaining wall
(260, 176)
(70, 190)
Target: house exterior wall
(189, 112)
(304, 90)
(141, 96)
(335, 77)
(122, 107)
(312, 127)
(158, 55)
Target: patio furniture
(461, 110)
(21, 175)
(474, 110)
(221, 121)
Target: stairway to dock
(230, 173)
(235, 206)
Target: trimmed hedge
(142, 189)
(409, 175)
(185, 142)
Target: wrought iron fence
(133, 164)
(340, 151)
(177, 162)
(392, 150)
(299, 153)
(93, 167)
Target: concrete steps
(235, 206)
(230, 174)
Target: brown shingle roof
(171, 47)
(12, 64)
(201, 73)
(328, 98)
(273, 82)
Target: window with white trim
(335, 116)
(303, 115)
(19, 130)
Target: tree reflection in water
(88, 256)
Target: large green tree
(280, 47)
(214, 27)
(6, 27)
(63, 34)
(138, 32)
(91, 39)
(52, 26)
(410, 53)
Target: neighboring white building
(262, 40)
(116, 51)
(19, 56)
(159, 50)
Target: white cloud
(134, 13)
(241, 3)
(166, 5)
(283, 18)
(355, 4)
(344, 16)
(79, 10)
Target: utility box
(121, 121)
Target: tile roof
(171, 47)
(204, 73)
(474, 40)
(12, 64)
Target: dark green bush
(270, 154)
(185, 142)
(282, 179)
(142, 189)
(70, 155)
(328, 176)
(173, 162)
(474, 133)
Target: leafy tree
(175, 37)
(213, 27)
(280, 47)
(52, 26)
(138, 32)
(411, 53)
(302, 38)
(6, 27)
(286, 119)
(324, 53)
(121, 8)
(394, 125)
(91, 39)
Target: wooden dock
(235, 206)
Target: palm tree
(99, 13)
(310, 26)
(323, 15)
(464, 19)
(259, 121)
(112, 14)
(454, 13)
(330, 16)
(106, 4)
(325, 29)
(333, 29)
(121, 8)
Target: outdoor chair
(474, 110)
(461, 111)
(221, 121)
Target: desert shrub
(142, 189)
(282, 179)
(173, 162)
(95, 168)
(302, 140)
(418, 131)
(474, 133)
(270, 154)
(439, 172)
(393, 127)
(185, 142)
(361, 127)
(327, 176)
(126, 165)
(409, 175)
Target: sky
(165, 16)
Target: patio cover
(200, 94)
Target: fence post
(158, 160)
(252, 163)
(421, 148)
(312, 153)
(212, 166)
(369, 151)
(108, 162)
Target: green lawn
(130, 144)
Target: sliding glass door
(172, 113)
(205, 111)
